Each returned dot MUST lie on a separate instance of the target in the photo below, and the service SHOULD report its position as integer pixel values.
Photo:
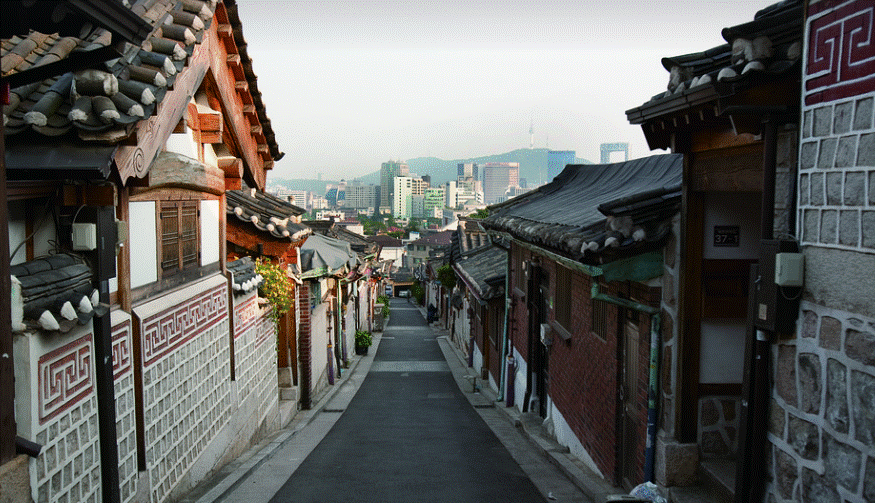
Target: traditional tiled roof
(112, 98)
(757, 52)
(244, 276)
(266, 212)
(443, 238)
(56, 293)
(104, 104)
(386, 241)
(469, 236)
(360, 244)
(597, 212)
(483, 271)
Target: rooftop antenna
(532, 132)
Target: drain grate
(484, 406)
(336, 411)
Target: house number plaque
(726, 235)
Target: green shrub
(363, 338)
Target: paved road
(409, 434)
(397, 428)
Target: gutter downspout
(653, 380)
(504, 342)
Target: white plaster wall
(183, 144)
(319, 345)
(210, 232)
(566, 437)
(143, 243)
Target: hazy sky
(349, 85)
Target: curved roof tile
(266, 212)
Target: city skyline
(364, 82)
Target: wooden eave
(243, 235)
(233, 88)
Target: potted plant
(363, 340)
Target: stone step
(718, 475)
(289, 393)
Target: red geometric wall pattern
(841, 51)
(173, 327)
(64, 377)
(121, 349)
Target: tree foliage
(446, 276)
(277, 287)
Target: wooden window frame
(181, 262)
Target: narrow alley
(398, 428)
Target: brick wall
(305, 350)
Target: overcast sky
(349, 85)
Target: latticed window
(180, 249)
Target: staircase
(716, 484)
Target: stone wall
(822, 416)
(185, 359)
(822, 425)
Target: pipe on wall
(653, 379)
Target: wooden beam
(224, 31)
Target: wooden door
(628, 450)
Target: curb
(591, 484)
(227, 478)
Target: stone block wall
(56, 407)
(718, 426)
(185, 359)
(822, 417)
(822, 425)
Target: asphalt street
(400, 428)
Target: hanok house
(587, 253)
(325, 263)
(358, 290)
(115, 184)
(770, 371)
(263, 226)
(481, 274)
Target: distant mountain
(533, 167)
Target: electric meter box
(789, 269)
(777, 305)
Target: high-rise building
(468, 170)
(362, 196)
(497, 177)
(434, 202)
(299, 198)
(402, 193)
(557, 160)
(388, 171)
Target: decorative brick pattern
(66, 377)
(125, 420)
(255, 361)
(841, 52)
(172, 328)
(185, 384)
(68, 467)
